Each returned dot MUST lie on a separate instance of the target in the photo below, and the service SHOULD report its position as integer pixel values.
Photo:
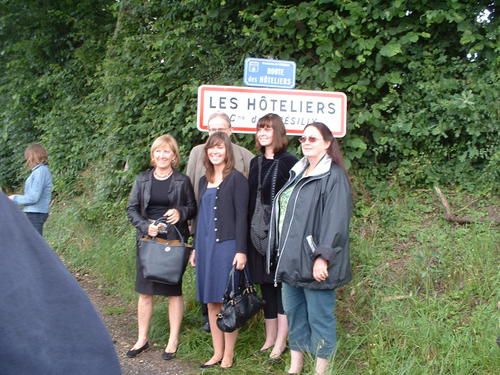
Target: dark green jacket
(320, 206)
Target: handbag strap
(163, 220)
(274, 169)
(231, 287)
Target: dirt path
(120, 320)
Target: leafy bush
(102, 79)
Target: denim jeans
(311, 320)
(37, 219)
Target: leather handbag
(241, 302)
(259, 223)
(163, 261)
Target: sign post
(245, 105)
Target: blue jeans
(311, 320)
(37, 219)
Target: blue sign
(269, 73)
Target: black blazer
(181, 194)
(230, 211)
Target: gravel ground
(120, 320)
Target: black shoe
(168, 356)
(211, 364)
(132, 353)
(206, 327)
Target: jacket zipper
(289, 225)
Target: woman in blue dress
(221, 238)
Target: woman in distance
(161, 191)
(37, 188)
(221, 238)
(309, 237)
(271, 168)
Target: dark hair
(334, 150)
(280, 140)
(216, 139)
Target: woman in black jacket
(273, 166)
(309, 236)
(160, 192)
(221, 238)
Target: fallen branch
(459, 219)
(397, 298)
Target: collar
(37, 166)
(323, 166)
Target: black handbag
(259, 224)
(163, 261)
(241, 302)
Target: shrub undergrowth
(422, 301)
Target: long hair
(334, 150)
(162, 141)
(216, 139)
(35, 154)
(280, 140)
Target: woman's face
(217, 154)
(265, 136)
(163, 157)
(312, 143)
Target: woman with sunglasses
(268, 173)
(309, 244)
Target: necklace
(163, 176)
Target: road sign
(269, 73)
(245, 105)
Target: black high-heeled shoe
(132, 353)
(168, 356)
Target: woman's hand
(320, 269)
(173, 216)
(192, 258)
(153, 230)
(240, 260)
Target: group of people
(305, 255)
(303, 207)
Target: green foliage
(98, 81)
(422, 301)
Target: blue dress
(213, 259)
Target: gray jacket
(316, 224)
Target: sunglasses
(308, 139)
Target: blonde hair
(35, 154)
(166, 140)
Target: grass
(423, 299)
